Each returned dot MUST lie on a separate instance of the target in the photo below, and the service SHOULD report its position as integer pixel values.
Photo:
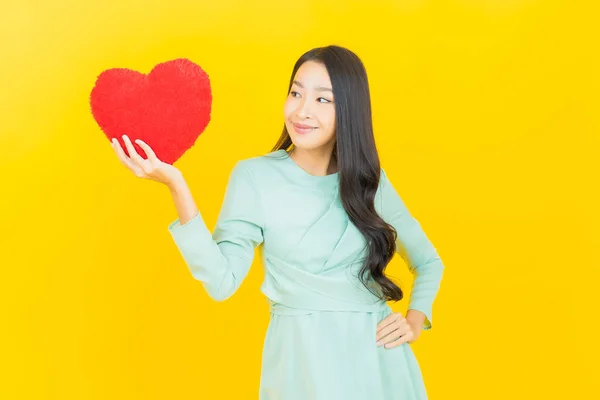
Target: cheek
(328, 119)
(288, 108)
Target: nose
(303, 110)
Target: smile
(303, 129)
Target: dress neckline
(307, 175)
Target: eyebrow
(319, 88)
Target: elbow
(219, 295)
(218, 298)
(437, 267)
(433, 266)
(217, 291)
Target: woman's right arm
(183, 199)
(220, 260)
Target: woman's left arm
(418, 252)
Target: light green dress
(320, 342)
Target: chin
(305, 145)
(306, 142)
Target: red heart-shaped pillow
(167, 109)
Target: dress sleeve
(415, 248)
(222, 260)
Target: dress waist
(293, 291)
(281, 309)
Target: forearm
(425, 287)
(183, 200)
(415, 316)
(219, 259)
(202, 254)
(416, 250)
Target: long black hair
(357, 160)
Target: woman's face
(309, 110)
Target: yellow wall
(486, 116)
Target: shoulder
(386, 190)
(266, 159)
(383, 180)
(382, 174)
(261, 167)
(380, 187)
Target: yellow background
(486, 118)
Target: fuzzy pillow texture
(168, 108)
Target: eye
(294, 93)
(323, 98)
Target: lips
(303, 129)
(302, 126)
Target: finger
(388, 320)
(387, 330)
(391, 331)
(125, 160)
(395, 343)
(386, 326)
(135, 157)
(395, 335)
(405, 338)
(121, 153)
(147, 149)
(388, 335)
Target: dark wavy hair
(357, 160)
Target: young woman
(330, 221)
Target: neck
(318, 162)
